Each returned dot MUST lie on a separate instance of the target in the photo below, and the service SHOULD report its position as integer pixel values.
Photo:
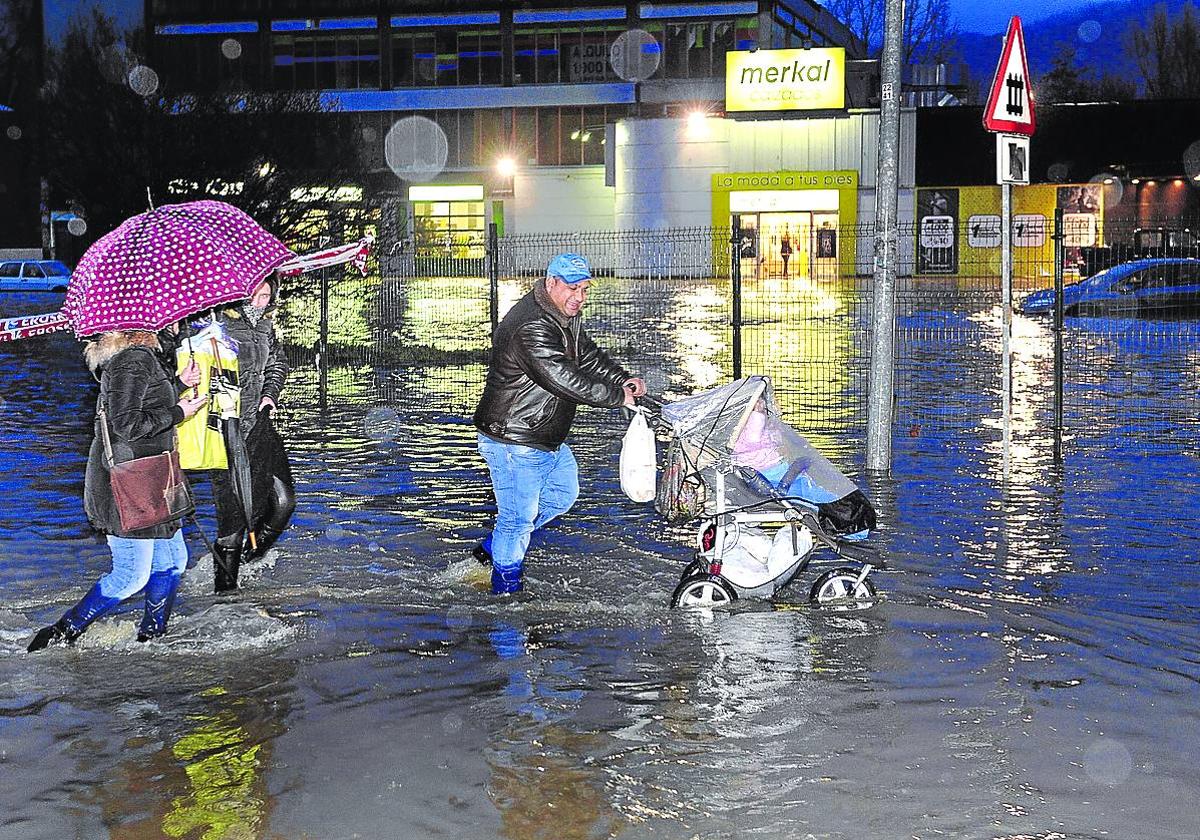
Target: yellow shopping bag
(201, 444)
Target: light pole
(882, 375)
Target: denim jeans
(134, 560)
(532, 487)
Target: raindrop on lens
(373, 547)
(656, 381)
(369, 134)
(1191, 160)
(635, 55)
(231, 48)
(77, 227)
(452, 723)
(143, 80)
(1089, 31)
(459, 619)
(1108, 762)
(416, 149)
(14, 132)
(1058, 171)
(1113, 188)
(336, 533)
(382, 423)
(427, 67)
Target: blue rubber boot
(71, 626)
(506, 581)
(160, 599)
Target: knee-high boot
(160, 600)
(279, 514)
(75, 620)
(227, 557)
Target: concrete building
(553, 118)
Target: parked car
(1146, 243)
(1154, 288)
(34, 276)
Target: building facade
(546, 118)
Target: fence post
(493, 270)
(323, 343)
(735, 286)
(1057, 329)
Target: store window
(448, 221)
(325, 61)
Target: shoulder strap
(102, 416)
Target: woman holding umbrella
(139, 404)
(264, 504)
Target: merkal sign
(786, 80)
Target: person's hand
(266, 403)
(629, 400)
(636, 385)
(191, 405)
(190, 375)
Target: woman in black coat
(142, 407)
(262, 371)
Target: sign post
(1009, 113)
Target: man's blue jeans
(532, 487)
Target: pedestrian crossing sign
(1010, 103)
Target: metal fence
(691, 308)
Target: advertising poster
(1080, 204)
(937, 231)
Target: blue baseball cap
(569, 268)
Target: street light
(506, 167)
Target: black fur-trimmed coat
(141, 402)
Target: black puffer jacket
(262, 368)
(141, 403)
(543, 365)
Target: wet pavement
(1031, 672)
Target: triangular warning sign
(1010, 103)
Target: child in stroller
(738, 467)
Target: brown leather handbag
(148, 491)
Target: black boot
(265, 537)
(227, 557)
(57, 632)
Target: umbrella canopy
(168, 263)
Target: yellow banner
(786, 80)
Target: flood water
(1032, 671)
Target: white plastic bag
(639, 460)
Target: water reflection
(224, 763)
(545, 781)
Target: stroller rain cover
(736, 429)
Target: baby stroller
(738, 468)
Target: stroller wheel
(839, 589)
(703, 591)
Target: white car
(34, 276)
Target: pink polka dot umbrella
(168, 263)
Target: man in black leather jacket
(543, 366)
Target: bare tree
(930, 29)
(1167, 52)
(278, 156)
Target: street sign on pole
(1012, 159)
(1010, 102)
(1010, 110)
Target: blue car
(1150, 288)
(34, 276)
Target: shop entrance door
(777, 245)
